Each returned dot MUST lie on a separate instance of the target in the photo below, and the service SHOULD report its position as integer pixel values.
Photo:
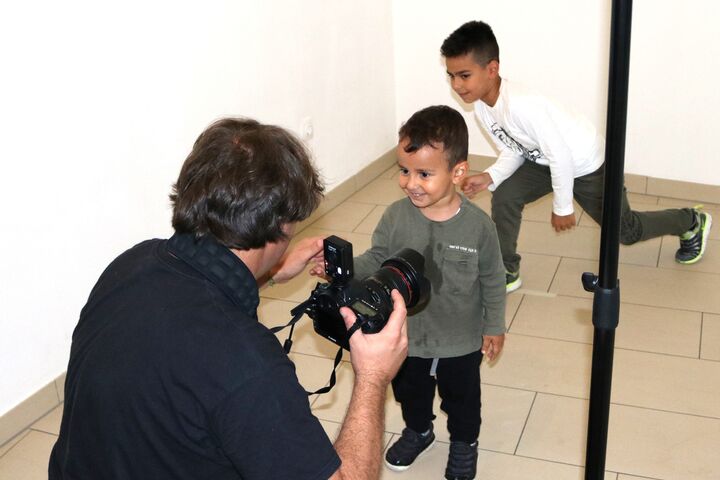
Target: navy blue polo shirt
(172, 377)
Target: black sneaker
(462, 461)
(411, 444)
(512, 281)
(694, 241)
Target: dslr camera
(368, 298)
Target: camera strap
(297, 314)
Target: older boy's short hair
(242, 182)
(473, 37)
(435, 126)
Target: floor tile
(710, 349)
(659, 287)
(345, 217)
(541, 365)
(541, 210)
(540, 238)
(582, 243)
(709, 263)
(665, 382)
(11, 443)
(381, 191)
(50, 423)
(273, 312)
(663, 445)
(640, 442)
(28, 459)
(371, 221)
(497, 466)
(537, 272)
(660, 330)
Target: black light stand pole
(605, 287)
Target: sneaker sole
(512, 286)
(402, 468)
(706, 234)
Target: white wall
(100, 104)
(560, 48)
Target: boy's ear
(459, 171)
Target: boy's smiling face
(428, 182)
(473, 82)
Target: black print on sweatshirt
(514, 145)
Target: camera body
(368, 298)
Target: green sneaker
(512, 281)
(694, 241)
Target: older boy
(544, 149)
(465, 316)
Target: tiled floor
(665, 412)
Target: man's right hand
(475, 184)
(376, 357)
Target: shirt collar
(220, 266)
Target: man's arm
(376, 358)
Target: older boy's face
(473, 82)
(425, 177)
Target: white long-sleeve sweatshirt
(527, 126)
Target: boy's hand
(492, 346)
(474, 184)
(318, 267)
(293, 262)
(562, 222)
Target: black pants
(532, 181)
(458, 383)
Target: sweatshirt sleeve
(507, 161)
(369, 262)
(538, 121)
(492, 280)
(504, 166)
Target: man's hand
(294, 262)
(377, 357)
(492, 346)
(562, 222)
(474, 184)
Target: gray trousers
(532, 181)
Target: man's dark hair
(473, 37)
(437, 126)
(242, 182)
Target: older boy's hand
(562, 222)
(492, 346)
(474, 184)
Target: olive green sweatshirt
(465, 269)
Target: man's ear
(459, 171)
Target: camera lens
(404, 272)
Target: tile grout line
(702, 327)
(527, 419)
(20, 436)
